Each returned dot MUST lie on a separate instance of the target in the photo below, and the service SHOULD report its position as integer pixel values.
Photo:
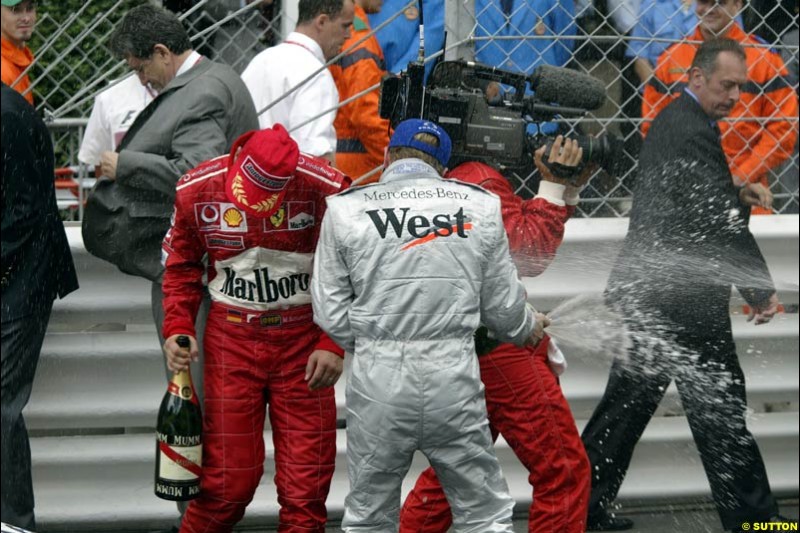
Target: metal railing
(73, 64)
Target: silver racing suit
(405, 271)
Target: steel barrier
(101, 379)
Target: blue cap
(404, 138)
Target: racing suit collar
(408, 168)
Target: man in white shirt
(114, 110)
(322, 28)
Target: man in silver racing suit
(405, 271)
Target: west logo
(419, 227)
(257, 286)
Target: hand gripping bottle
(179, 448)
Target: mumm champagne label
(178, 471)
(179, 457)
(177, 493)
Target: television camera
(498, 133)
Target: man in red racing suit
(256, 213)
(523, 396)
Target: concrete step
(105, 296)
(667, 453)
(96, 380)
(115, 379)
(103, 481)
(767, 353)
(103, 380)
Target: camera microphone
(567, 87)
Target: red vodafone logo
(209, 214)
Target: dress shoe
(608, 522)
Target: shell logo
(232, 217)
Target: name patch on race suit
(291, 216)
(219, 241)
(410, 167)
(261, 279)
(220, 216)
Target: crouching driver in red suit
(523, 396)
(256, 213)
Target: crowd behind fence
(73, 64)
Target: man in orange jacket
(758, 137)
(361, 133)
(18, 21)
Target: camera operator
(523, 396)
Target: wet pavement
(701, 518)
(678, 519)
(683, 519)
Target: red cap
(257, 180)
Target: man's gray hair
(145, 26)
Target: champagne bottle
(179, 448)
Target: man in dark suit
(688, 242)
(37, 268)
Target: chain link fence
(73, 63)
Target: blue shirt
(550, 19)
(400, 39)
(660, 19)
(547, 19)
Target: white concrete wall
(101, 379)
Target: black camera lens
(604, 150)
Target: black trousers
(22, 340)
(711, 385)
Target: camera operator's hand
(564, 152)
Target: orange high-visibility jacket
(361, 133)
(752, 147)
(15, 61)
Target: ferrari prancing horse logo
(279, 216)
